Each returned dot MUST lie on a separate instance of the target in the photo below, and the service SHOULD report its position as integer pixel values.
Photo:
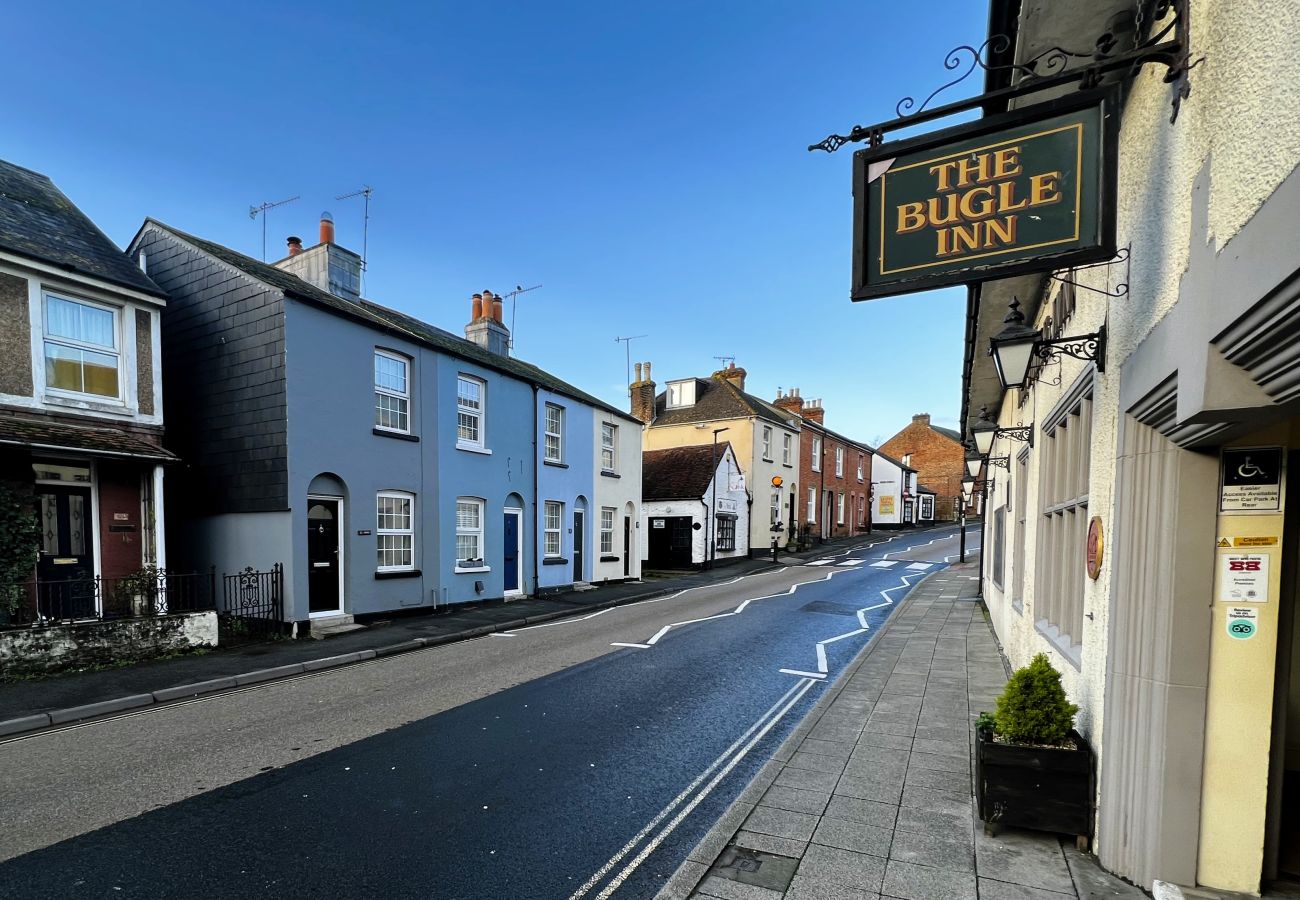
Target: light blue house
(386, 463)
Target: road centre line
(736, 746)
(673, 596)
(653, 845)
(735, 612)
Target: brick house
(834, 472)
(81, 415)
(938, 457)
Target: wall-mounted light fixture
(1017, 348)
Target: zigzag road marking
(822, 668)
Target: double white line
(681, 806)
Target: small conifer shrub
(1033, 708)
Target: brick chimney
(485, 327)
(295, 245)
(921, 419)
(643, 394)
(813, 412)
(791, 402)
(734, 375)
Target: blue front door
(511, 545)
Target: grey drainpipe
(537, 582)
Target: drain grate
(756, 867)
(830, 609)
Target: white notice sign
(1243, 577)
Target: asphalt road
(581, 758)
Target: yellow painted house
(765, 440)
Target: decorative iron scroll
(1050, 68)
(1121, 256)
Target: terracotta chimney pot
(295, 245)
(326, 228)
(476, 308)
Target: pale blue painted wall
(570, 482)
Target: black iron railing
(151, 592)
(252, 604)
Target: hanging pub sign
(1032, 190)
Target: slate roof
(715, 399)
(52, 435)
(949, 433)
(38, 222)
(392, 321)
(922, 489)
(843, 439)
(680, 473)
(896, 462)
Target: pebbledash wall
(1225, 171)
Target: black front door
(65, 568)
(577, 544)
(669, 541)
(323, 555)
(627, 546)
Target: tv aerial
(253, 212)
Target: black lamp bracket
(1018, 433)
(1002, 462)
(1088, 347)
(1168, 45)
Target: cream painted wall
(1241, 125)
(622, 493)
(745, 437)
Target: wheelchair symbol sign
(1252, 480)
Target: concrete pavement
(872, 795)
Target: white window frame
(839, 462)
(839, 509)
(479, 415)
(403, 396)
(860, 466)
(608, 447)
(607, 532)
(479, 534)
(726, 539)
(816, 453)
(118, 350)
(767, 443)
(408, 532)
(812, 506)
(557, 435)
(557, 531)
(787, 442)
(776, 506)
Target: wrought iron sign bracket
(1002, 462)
(1168, 46)
(1121, 290)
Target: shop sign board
(887, 505)
(1032, 190)
(1096, 547)
(1243, 577)
(1252, 480)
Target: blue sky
(644, 162)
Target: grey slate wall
(223, 381)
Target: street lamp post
(713, 513)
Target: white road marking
(885, 564)
(819, 562)
(738, 746)
(735, 612)
(850, 562)
(653, 844)
(919, 566)
(802, 674)
(621, 644)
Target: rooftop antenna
(366, 191)
(725, 359)
(270, 204)
(514, 306)
(628, 340)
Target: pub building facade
(1124, 218)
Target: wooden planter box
(1044, 788)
